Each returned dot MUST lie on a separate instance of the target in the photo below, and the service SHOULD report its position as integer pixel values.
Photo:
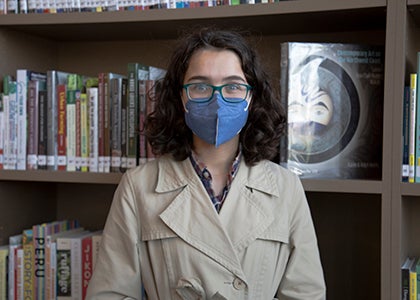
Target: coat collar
(246, 213)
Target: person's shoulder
(278, 170)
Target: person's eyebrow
(224, 79)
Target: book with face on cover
(333, 94)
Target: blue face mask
(216, 121)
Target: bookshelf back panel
(89, 203)
(348, 228)
(19, 50)
(410, 226)
(25, 204)
(90, 58)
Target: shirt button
(238, 284)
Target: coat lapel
(192, 217)
(249, 207)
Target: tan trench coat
(163, 231)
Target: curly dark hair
(165, 128)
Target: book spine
(92, 94)
(6, 122)
(87, 268)
(78, 159)
(284, 82)
(13, 127)
(39, 260)
(142, 119)
(52, 120)
(107, 123)
(132, 116)
(412, 140)
(84, 133)
(42, 130)
(150, 107)
(22, 94)
(2, 132)
(19, 278)
(115, 120)
(76, 268)
(64, 269)
(405, 134)
(61, 128)
(124, 125)
(71, 130)
(28, 265)
(4, 252)
(101, 122)
(33, 125)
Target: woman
(212, 217)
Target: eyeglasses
(203, 92)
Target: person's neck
(218, 160)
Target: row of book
(53, 260)
(64, 6)
(69, 122)
(411, 128)
(410, 277)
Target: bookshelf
(365, 228)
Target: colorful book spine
(412, 140)
(42, 130)
(101, 121)
(61, 128)
(28, 264)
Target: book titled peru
(333, 93)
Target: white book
(15, 243)
(51, 261)
(71, 129)
(22, 97)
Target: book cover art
(334, 98)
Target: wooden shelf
(271, 18)
(61, 176)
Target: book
(107, 126)
(89, 250)
(23, 77)
(405, 277)
(61, 127)
(54, 79)
(15, 243)
(42, 129)
(33, 125)
(417, 264)
(124, 97)
(84, 133)
(69, 266)
(412, 129)
(413, 281)
(28, 264)
(2, 125)
(116, 97)
(4, 254)
(333, 93)
(51, 259)
(11, 124)
(133, 70)
(417, 126)
(92, 96)
(405, 134)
